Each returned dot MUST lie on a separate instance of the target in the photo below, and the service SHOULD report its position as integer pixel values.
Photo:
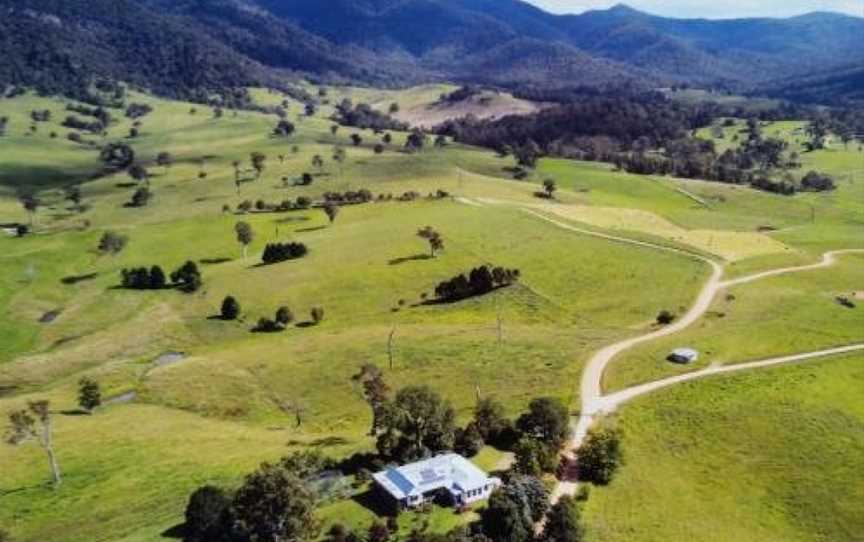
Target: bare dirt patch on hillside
(485, 105)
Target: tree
(416, 423)
(245, 236)
(468, 442)
(283, 128)
(376, 392)
(318, 162)
(89, 394)
(230, 308)
(564, 523)
(356, 139)
(378, 148)
(139, 173)
(546, 421)
(165, 160)
(284, 316)
(665, 317)
(534, 457)
(332, 211)
(387, 139)
(600, 455)
(23, 427)
(531, 494)
(141, 197)
(505, 519)
(527, 154)
(490, 420)
(334, 128)
(416, 141)
(31, 204)
(436, 242)
(394, 108)
(187, 278)
(157, 280)
(117, 155)
(275, 505)
(440, 141)
(550, 187)
(339, 156)
(205, 514)
(112, 243)
(317, 314)
(259, 163)
(526, 460)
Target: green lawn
(774, 455)
(212, 418)
(772, 317)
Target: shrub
(665, 318)
(230, 308)
(280, 252)
(284, 316)
(317, 314)
(187, 278)
(89, 394)
(600, 456)
(141, 197)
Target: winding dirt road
(595, 404)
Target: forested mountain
(191, 48)
(839, 87)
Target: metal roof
(450, 471)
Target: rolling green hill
(172, 424)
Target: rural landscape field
(236, 290)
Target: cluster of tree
(481, 280)
(141, 278)
(281, 320)
(99, 113)
(360, 196)
(648, 134)
(186, 278)
(461, 94)
(77, 123)
(273, 504)
(43, 115)
(280, 252)
(623, 118)
(817, 182)
(365, 117)
(136, 110)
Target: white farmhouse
(449, 477)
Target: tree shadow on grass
(177, 532)
(75, 412)
(414, 258)
(374, 502)
(307, 230)
(213, 261)
(75, 279)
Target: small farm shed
(684, 356)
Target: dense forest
(649, 133)
(205, 49)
